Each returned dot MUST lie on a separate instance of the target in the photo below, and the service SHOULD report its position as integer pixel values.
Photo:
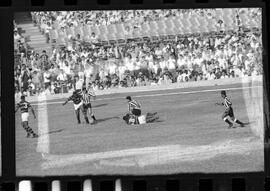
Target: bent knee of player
(233, 118)
(224, 116)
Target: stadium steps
(35, 39)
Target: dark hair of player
(22, 97)
(129, 98)
(223, 92)
(84, 88)
(126, 117)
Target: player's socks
(239, 122)
(93, 117)
(86, 119)
(31, 132)
(229, 123)
(34, 135)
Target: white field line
(156, 95)
(254, 104)
(43, 143)
(156, 155)
(43, 129)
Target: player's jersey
(86, 97)
(24, 106)
(76, 98)
(227, 103)
(133, 104)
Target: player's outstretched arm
(65, 102)
(33, 112)
(218, 103)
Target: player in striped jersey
(76, 97)
(228, 111)
(86, 97)
(24, 106)
(134, 106)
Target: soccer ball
(91, 121)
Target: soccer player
(86, 97)
(131, 119)
(134, 107)
(228, 111)
(24, 106)
(76, 97)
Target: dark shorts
(229, 113)
(86, 106)
(136, 112)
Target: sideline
(183, 85)
(158, 94)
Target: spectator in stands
(17, 37)
(190, 58)
(47, 29)
(47, 80)
(62, 80)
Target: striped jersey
(86, 96)
(76, 98)
(24, 106)
(227, 103)
(133, 104)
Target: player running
(86, 97)
(228, 111)
(25, 106)
(76, 97)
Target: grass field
(189, 137)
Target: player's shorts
(142, 119)
(25, 116)
(77, 106)
(136, 112)
(228, 112)
(86, 106)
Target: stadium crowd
(20, 45)
(188, 58)
(96, 18)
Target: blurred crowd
(20, 45)
(96, 18)
(188, 58)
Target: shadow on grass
(106, 119)
(246, 125)
(52, 132)
(100, 105)
(157, 121)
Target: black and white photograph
(139, 92)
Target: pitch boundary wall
(181, 85)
